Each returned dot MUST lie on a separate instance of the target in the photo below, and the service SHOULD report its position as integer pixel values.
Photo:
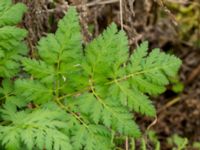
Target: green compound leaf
(11, 14)
(40, 128)
(11, 46)
(80, 98)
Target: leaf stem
(71, 112)
(137, 73)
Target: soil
(177, 112)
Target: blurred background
(171, 25)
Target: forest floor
(155, 21)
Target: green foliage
(187, 17)
(143, 144)
(180, 142)
(196, 145)
(33, 128)
(154, 139)
(177, 85)
(11, 45)
(81, 98)
(175, 142)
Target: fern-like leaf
(40, 128)
(32, 90)
(39, 69)
(11, 45)
(98, 91)
(55, 49)
(11, 14)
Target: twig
(65, 5)
(126, 144)
(169, 104)
(99, 2)
(193, 75)
(162, 5)
(153, 123)
(121, 13)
